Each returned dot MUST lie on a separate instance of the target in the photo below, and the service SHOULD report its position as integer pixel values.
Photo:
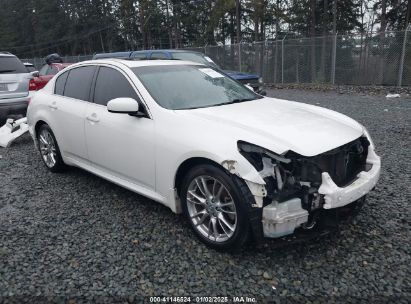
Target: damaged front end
(300, 188)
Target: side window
(52, 70)
(43, 70)
(140, 56)
(60, 83)
(158, 55)
(79, 82)
(112, 84)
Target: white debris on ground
(392, 95)
(12, 130)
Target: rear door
(14, 78)
(68, 108)
(119, 144)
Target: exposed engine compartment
(295, 176)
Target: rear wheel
(215, 207)
(49, 149)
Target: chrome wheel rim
(211, 208)
(47, 148)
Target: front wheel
(216, 207)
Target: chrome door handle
(93, 117)
(53, 105)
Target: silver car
(14, 87)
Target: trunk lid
(14, 85)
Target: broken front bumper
(335, 196)
(280, 219)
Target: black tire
(59, 164)
(238, 191)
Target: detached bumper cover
(335, 196)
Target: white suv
(14, 86)
(185, 135)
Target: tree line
(32, 28)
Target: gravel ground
(75, 237)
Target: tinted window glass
(60, 83)
(78, 83)
(139, 56)
(43, 70)
(158, 55)
(11, 65)
(52, 71)
(112, 84)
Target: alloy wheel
(48, 148)
(211, 208)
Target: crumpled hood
(281, 125)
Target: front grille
(344, 163)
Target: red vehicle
(45, 74)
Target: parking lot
(77, 236)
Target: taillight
(32, 85)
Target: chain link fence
(373, 59)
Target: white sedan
(238, 164)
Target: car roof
(138, 63)
(6, 54)
(166, 51)
(64, 64)
(113, 54)
(129, 54)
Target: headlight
(260, 80)
(251, 148)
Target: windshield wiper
(237, 100)
(7, 71)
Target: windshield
(195, 57)
(179, 87)
(11, 65)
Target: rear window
(158, 55)
(52, 70)
(11, 65)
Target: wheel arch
(38, 125)
(252, 194)
(189, 163)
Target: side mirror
(35, 74)
(123, 105)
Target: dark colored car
(252, 80)
(45, 74)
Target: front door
(119, 144)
